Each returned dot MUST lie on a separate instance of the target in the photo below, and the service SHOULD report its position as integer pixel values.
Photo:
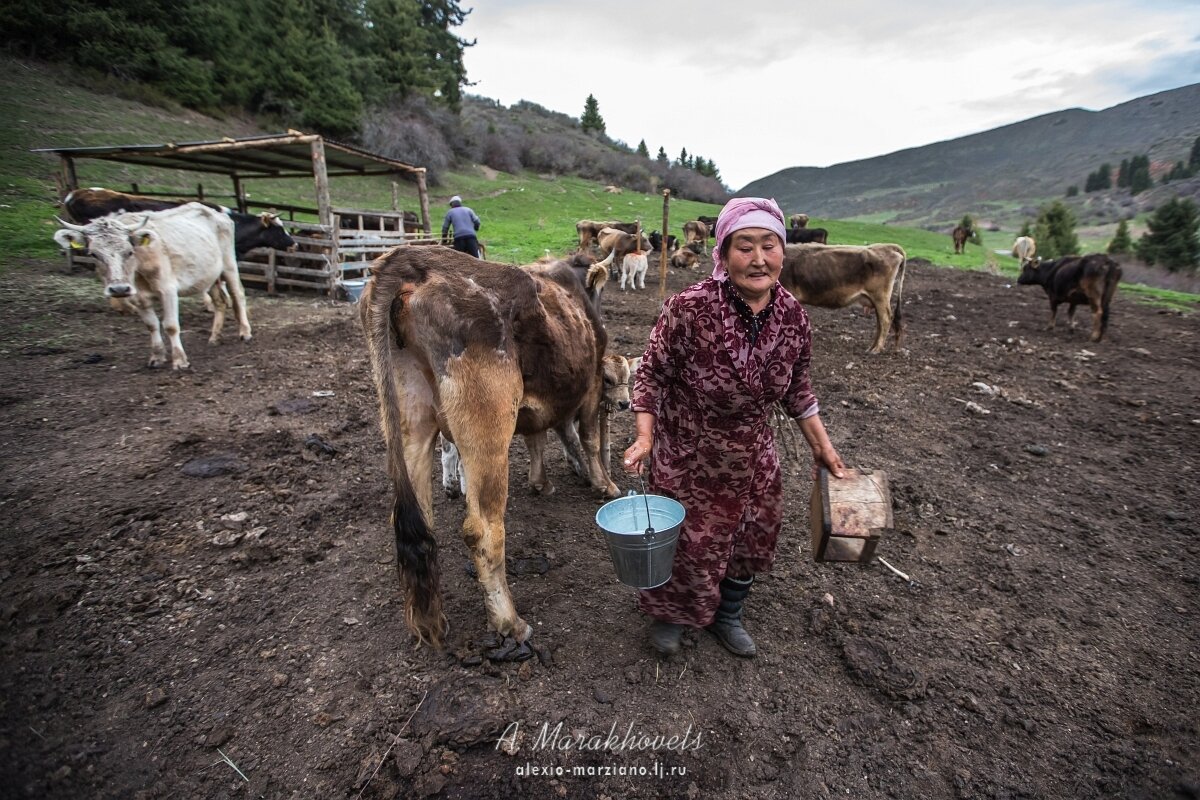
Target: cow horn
(70, 225)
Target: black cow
(250, 230)
(807, 236)
(1076, 280)
(711, 222)
(656, 241)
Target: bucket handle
(649, 523)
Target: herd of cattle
(477, 352)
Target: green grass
(524, 215)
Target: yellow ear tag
(145, 240)
(76, 245)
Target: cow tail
(597, 276)
(416, 548)
(897, 322)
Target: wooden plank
(423, 193)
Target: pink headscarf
(746, 212)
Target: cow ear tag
(144, 240)
(76, 245)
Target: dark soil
(198, 566)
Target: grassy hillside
(524, 215)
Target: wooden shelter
(342, 242)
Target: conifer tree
(1121, 242)
(1054, 231)
(1193, 163)
(642, 150)
(1026, 229)
(591, 121)
(1171, 240)
(1123, 174)
(662, 156)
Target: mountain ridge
(992, 171)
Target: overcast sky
(758, 88)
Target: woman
(721, 355)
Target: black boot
(727, 624)
(665, 636)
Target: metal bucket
(642, 531)
(353, 288)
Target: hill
(996, 172)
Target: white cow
(172, 253)
(1024, 248)
(634, 268)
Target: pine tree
(683, 158)
(1121, 243)
(591, 119)
(662, 156)
(1072, 190)
(1026, 229)
(642, 150)
(1123, 175)
(1054, 231)
(1178, 172)
(1171, 240)
(1139, 174)
(1193, 163)
(1104, 177)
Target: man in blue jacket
(465, 222)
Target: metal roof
(280, 155)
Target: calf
(1076, 280)
(807, 236)
(834, 276)
(633, 267)
(171, 253)
(616, 244)
(656, 242)
(695, 231)
(684, 259)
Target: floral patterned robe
(712, 392)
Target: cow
(834, 276)
(807, 236)
(478, 352)
(633, 267)
(616, 244)
(684, 259)
(656, 242)
(251, 230)
(798, 221)
(959, 235)
(170, 253)
(1075, 280)
(1024, 249)
(610, 189)
(695, 231)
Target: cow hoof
(155, 363)
(214, 340)
(545, 489)
(452, 492)
(245, 337)
(181, 365)
(611, 491)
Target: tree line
(317, 64)
(1172, 239)
(1134, 173)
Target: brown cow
(959, 234)
(1076, 280)
(588, 230)
(684, 259)
(798, 221)
(696, 231)
(616, 244)
(478, 352)
(834, 276)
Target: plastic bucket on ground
(642, 560)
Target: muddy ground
(241, 635)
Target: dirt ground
(167, 634)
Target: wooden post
(325, 206)
(423, 193)
(662, 253)
(239, 193)
(200, 191)
(271, 271)
(68, 168)
(134, 187)
(395, 196)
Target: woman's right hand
(636, 455)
